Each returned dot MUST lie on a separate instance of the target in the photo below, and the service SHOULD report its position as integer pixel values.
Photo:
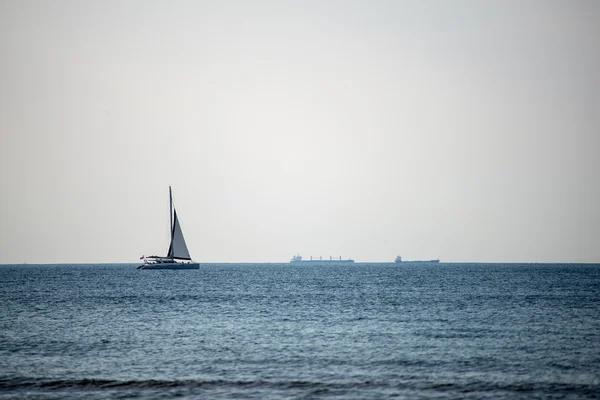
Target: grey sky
(464, 130)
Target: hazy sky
(460, 130)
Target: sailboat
(178, 256)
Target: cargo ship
(400, 261)
(297, 259)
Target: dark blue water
(368, 331)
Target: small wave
(96, 384)
(500, 389)
(112, 384)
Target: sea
(277, 331)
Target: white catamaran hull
(170, 266)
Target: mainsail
(178, 248)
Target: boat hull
(418, 262)
(170, 266)
(323, 262)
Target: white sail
(178, 249)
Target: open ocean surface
(261, 331)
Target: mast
(171, 215)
